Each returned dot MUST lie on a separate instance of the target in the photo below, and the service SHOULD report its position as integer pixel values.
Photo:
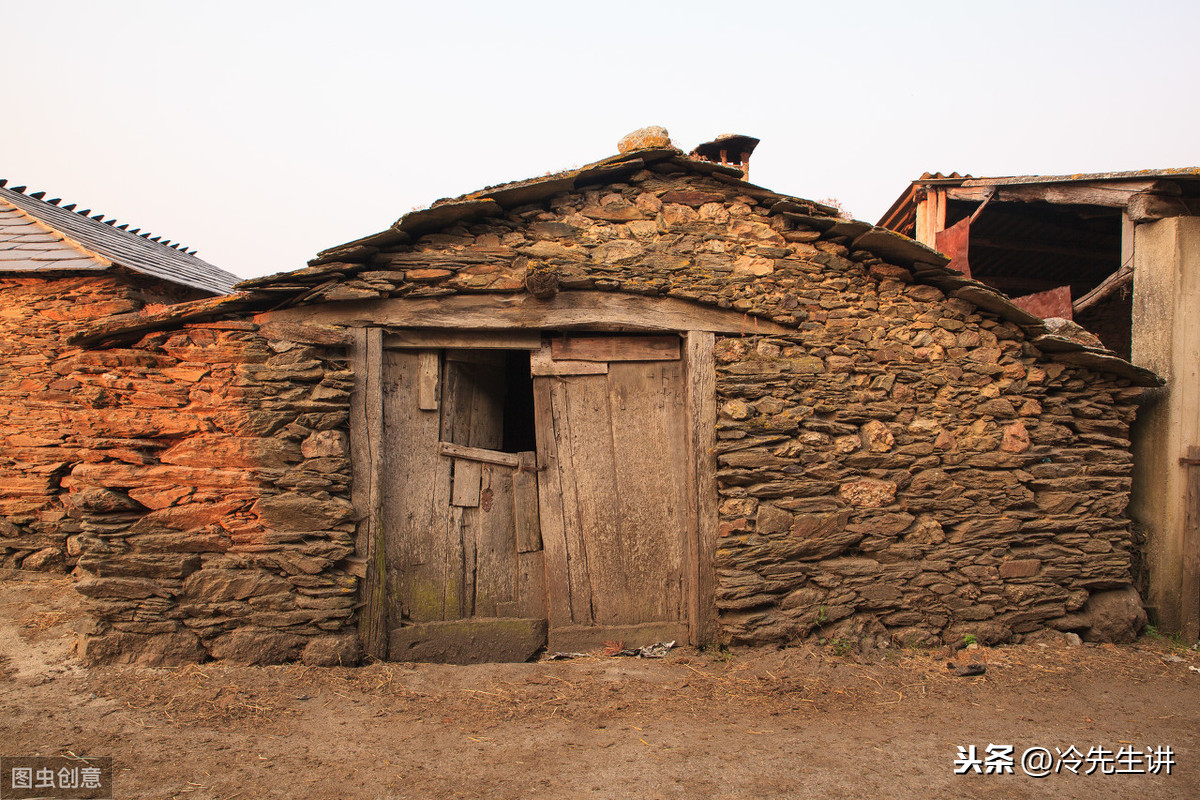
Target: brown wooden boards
(366, 453)
(542, 363)
(499, 340)
(596, 532)
(614, 490)
(648, 435)
(615, 348)
(424, 566)
(552, 514)
(472, 392)
(567, 310)
(525, 504)
(453, 503)
(491, 526)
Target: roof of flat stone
(38, 235)
(926, 265)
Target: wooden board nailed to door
(612, 447)
(463, 568)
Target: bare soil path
(797, 722)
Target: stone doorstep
(470, 641)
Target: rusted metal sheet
(952, 242)
(1050, 303)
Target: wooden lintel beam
(565, 311)
(1114, 194)
(472, 340)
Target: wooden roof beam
(578, 310)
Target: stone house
(640, 400)
(62, 268)
(1119, 253)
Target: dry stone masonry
(914, 462)
(58, 404)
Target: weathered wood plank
(366, 412)
(481, 340)
(552, 504)
(648, 486)
(478, 454)
(525, 504)
(615, 348)
(531, 584)
(487, 401)
(565, 311)
(427, 380)
(495, 543)
(447, 555)
(473, 400)
(424, 560)
(702, 423)
(461, 535)
(595, 544)
(541, 363)
(467, 474)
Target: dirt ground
(763, 723)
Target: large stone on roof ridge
(652, 136)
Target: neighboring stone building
(639, 400)
(61, 269)
(1119, 253)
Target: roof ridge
(87, 212)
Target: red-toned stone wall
(39, 392)
(212, 510)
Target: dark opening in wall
(487, 400)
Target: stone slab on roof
(344, 262)
(41, 236)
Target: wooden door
(613, 459)
(459, 517)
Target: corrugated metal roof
(67, 239)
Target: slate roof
(337, 263)
(37, 235)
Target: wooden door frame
(366, 436)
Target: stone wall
(905, 468)
(40, 392)
(904, 465)
(219, 524)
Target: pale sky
(262, 132)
